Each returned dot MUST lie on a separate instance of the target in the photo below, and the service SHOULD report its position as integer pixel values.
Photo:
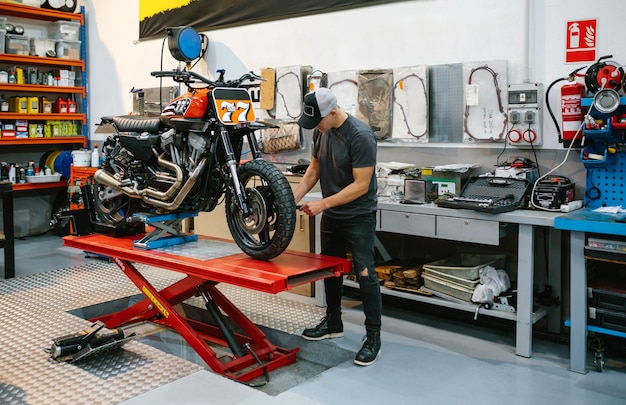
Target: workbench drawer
(407, 224)
(468, 230)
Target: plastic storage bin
(39, 46)
(64, 30)
(603, 132)
(68, 49)
(619, 122)
(17, 44)
(3, 38)
(596, 155)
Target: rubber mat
(34, 310)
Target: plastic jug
(95, 156)
(60, 106)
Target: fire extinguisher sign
(581, 41)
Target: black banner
(206, 15)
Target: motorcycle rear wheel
(267, 231)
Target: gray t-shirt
(352, 145)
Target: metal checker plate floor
(34, 310)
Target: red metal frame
(280, 274)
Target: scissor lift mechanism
(253, 355)
(167, 230)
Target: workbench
(206, 263)
(579, 223)
(431, 221)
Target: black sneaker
(370, 351)
(330, 327)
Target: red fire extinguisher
(572, 114)
(571, 110)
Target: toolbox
(607, 290)
(606, 318)
(607, 299)
(490, 194)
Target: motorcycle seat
(129, 123)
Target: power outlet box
(525, 115)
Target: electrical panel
(525, 115)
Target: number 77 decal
(233, 106)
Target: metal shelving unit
(17, 10)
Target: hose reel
(604, 75)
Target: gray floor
(427, 357)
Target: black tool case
(491, 194)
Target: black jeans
(356, 235)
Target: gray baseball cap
(317, 105)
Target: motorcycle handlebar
(188, 77)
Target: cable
(593, 192)
(205, 47)
(554, 120)
(505, 144)
(532, 193)
(532, 147)
(578, 132)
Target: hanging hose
(571, 77)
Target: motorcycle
(189, 160)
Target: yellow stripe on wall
(148, 8)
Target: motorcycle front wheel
(268, 228)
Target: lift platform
(253, 355)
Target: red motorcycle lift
(253, 355)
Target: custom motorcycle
(189, 160)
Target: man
(343, 160)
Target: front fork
(231, 162)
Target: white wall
(529, 34)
